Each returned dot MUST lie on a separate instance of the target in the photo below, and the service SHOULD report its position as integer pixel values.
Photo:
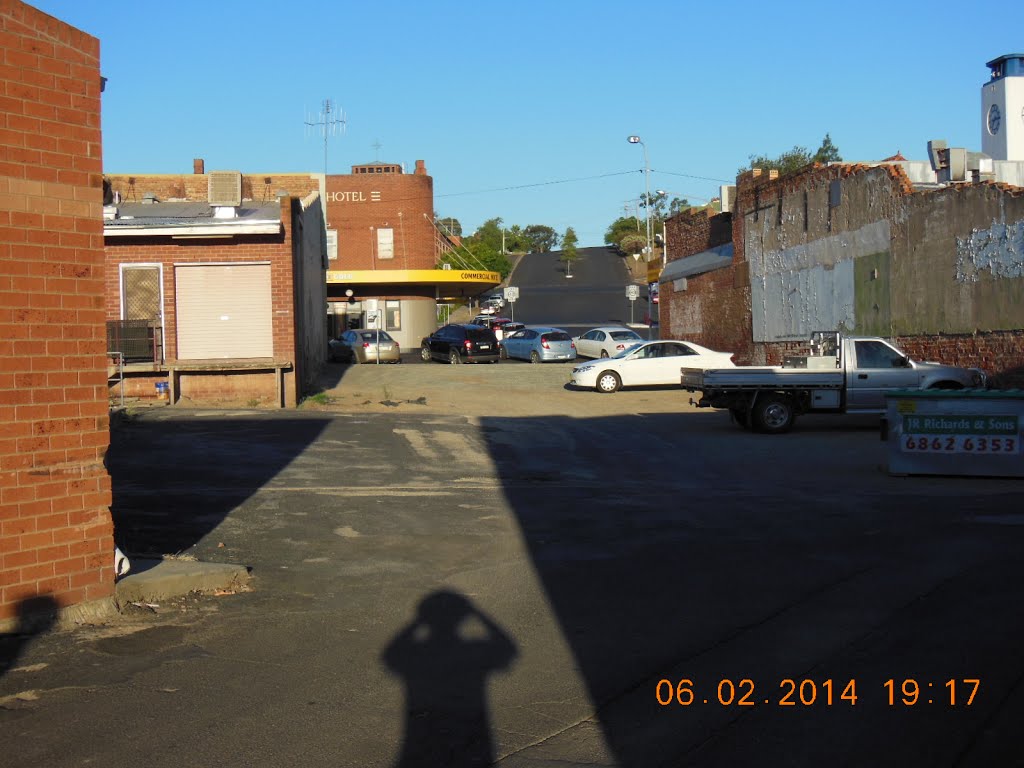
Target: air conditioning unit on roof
(225, 188)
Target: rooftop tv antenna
(330, 122)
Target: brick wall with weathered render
(856, 247)
(56, 537)
(713, 310)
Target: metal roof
(705, 261)
(192, 218)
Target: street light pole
(647, 209)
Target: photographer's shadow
(36, 616)
(444, 656)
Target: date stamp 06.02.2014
(792, 692)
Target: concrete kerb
(154, 580)
(151, 581)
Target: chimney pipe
(198, 166)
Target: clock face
(994, 119)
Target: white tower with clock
(1002, 109)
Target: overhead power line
(538, 184)
(690, 176)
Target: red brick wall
(350, 204)
(1000, 354)
(402, 201)
(714, 310)
(56, 536)
(277, 249)
(194, 187)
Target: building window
(385, 243)
(392, 315)
(332, 244)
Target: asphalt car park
(479, 560)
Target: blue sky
(521, 110)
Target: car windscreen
(624, 336)
(556, 336)
(479, 334)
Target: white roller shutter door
(223, 311)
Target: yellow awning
(445, 280)
(417, 276)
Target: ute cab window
(875, 354)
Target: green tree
(448, 225)
(542, 238)
(827, 152)
(477, 255)
(490, 233)
(633, 243)
(678, 205)
(618, 229)
(795, 159)
(570, 252)
(516, 240)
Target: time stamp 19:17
(791, 692)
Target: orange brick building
(56, 536)
(381, 240)
(223, 303)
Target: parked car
(361, 345)
(539, 344)
(501, 326)
(488, 321)
(507, 329)
(607, 341)
(460, 343)
(649, 363)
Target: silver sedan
(607, 341)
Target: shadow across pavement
(36, 616)
(701, 574)
(177, 473)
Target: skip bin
(975, 432)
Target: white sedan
(606, 341)
(647, 364)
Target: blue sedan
(539, 344)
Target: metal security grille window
(133, 336)
(141, 300)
